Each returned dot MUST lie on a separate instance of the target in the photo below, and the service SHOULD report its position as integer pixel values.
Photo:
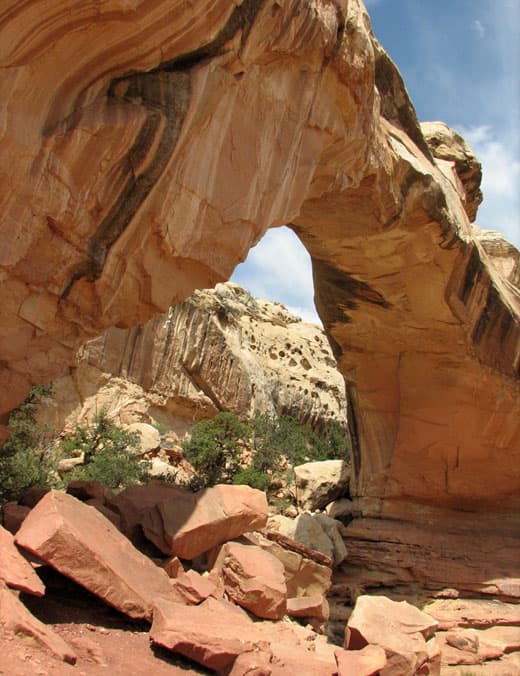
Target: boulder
(106, 511)
(318, 483)
(90, 490)
(193, 523)
(340, 509)
(215, 633)
(369, 661)
(254, 579)
(16, 571)
(82, 544)
(15, 617)
(32, 496)
(303, 576)
(149, 437)
(192, 588)
(317, 531)
(404, 632)
(309, 606)
(212, 634)
(173, 566)
(13, 515)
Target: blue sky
(460, 62)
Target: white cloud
(500, 181)
(478, 27)
(279, 268)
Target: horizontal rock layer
(160, 143)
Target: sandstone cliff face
(220, 350)
(146, 146)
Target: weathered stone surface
(83, 545)
(15, 617)
(443, 551)
(308, 606)
(303, 575)
(369, 661)
(88, 490)
(317, 531)
(254, 579)
(149, 437)
(252, 355)
(318, 483)
(16, 571)
(215, 633)
(193, 523)
(448, 146)
(139, 171)
(192, 588)
(399, 628)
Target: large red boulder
(190, 524)
(82, 544)
(16, 571)
(405, 633)
(254, 579)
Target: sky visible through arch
(460, 61)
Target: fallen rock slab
(15, 571)
(254, 579)
(82, 544)
(368, 661)
(211, 634)
(196, 523)
(15, 617)
(193, 588)
(215, 633)
(403, 631)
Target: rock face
(221, 349)
(150, 164)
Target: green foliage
(111, 454)
(251, 476)
(277, 438)
(26, 458)
(215, 446)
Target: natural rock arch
(145, 148)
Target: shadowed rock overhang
(146, 146)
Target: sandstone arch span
(147, 146)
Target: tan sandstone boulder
(317, 531)
(149, 438)
(309, 606)
(318, 483)
(16, 571)
(254, 579)
(405, 633)
(190, 524)
(82, 544)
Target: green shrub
(251, 476)
(111, 454)
(27, 458)
(215, 447)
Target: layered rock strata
(220, 350)
(146, 146)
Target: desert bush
(111, 454)
(252, 476)
(215, 447)
(27, 457)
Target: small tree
(215, 446)
(111, 454)
(26, 458)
